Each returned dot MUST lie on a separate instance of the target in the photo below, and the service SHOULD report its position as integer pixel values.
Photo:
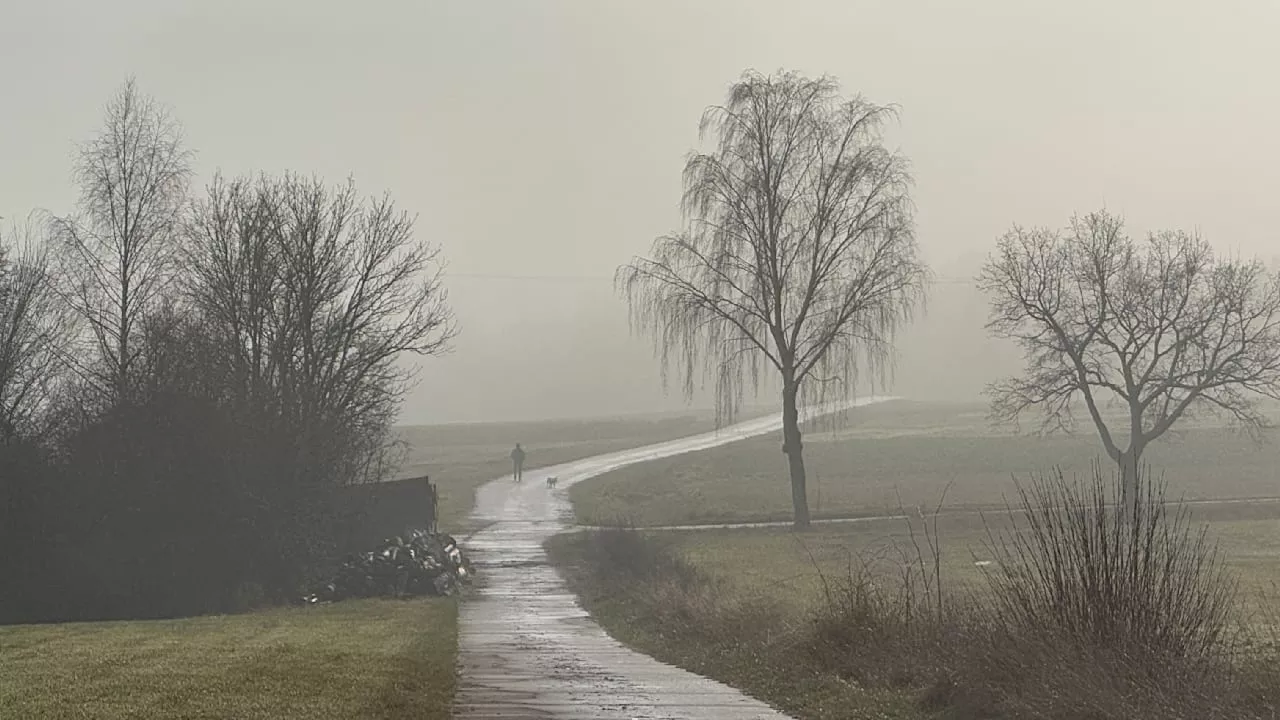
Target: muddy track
(527, 649)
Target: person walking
(433, 498)
(517, 462)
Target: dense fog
(541, 144)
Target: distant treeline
(190, 380)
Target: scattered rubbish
(420, 563)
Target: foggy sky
(541, 142)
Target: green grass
(903, 451)
(359, 659)
(461, 457)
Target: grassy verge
(361, 659)
(902, 451)
(653, 600)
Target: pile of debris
(420, 563)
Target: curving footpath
(527, 649)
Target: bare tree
(1162, 329)
(798, 254)
(34, 334)
(234, 260)
(116, 254)
(316, 295)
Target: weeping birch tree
(797, 261)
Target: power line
(607, 278)
(549, 278)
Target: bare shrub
(890, 616)
(631, 556)
(1098, 609)
(863, 621)
(1093, 610)
(1081, 567)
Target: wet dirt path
(527, 649)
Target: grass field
(764, 584)
(904, 451)
(785, 568)
(360, 659)
(461, 457)
(747, 607)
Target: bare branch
(115, 257)
(35, 333)
(799, 244)
(315, 295)
(798, 253)
(1162, 327)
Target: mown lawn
(359, 659)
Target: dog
(552, 480)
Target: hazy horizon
(541, 144)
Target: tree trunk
(1130, 487)
(792, 446)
